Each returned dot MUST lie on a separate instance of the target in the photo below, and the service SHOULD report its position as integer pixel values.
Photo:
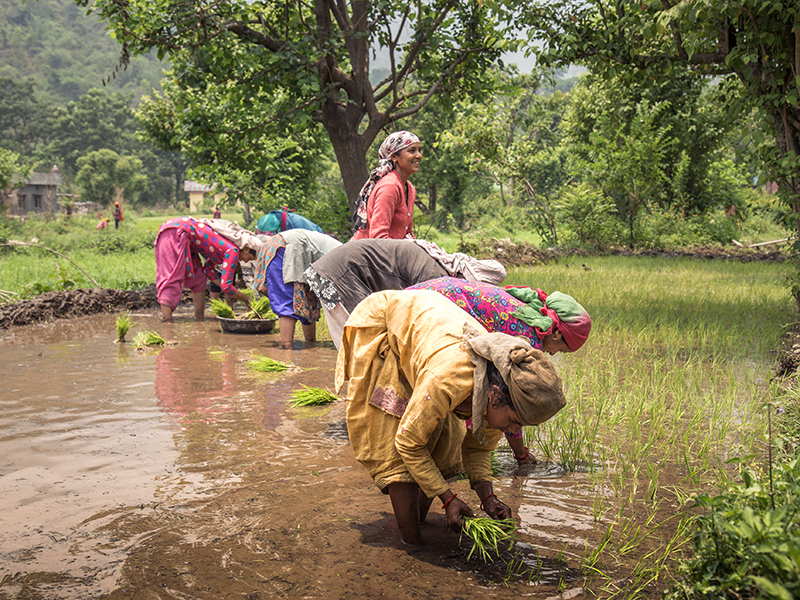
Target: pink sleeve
(228, 268)
(384, 204)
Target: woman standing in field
(417, 368)
(553, 324)
(181, 244)
(386, 201)
(117, 215)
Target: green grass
(665, 399)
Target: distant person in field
(117, 215)
(217, 213)
(386, 201)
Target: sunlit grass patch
(664, 401)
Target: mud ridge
(66, 304)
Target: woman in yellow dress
(417, 367)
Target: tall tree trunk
(351, 156)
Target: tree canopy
(314, 58)
(754, 41)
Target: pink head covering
(556, 311)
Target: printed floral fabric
(489, 304)
(305, 303)
(323, 289)
(215, 249)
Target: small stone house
(199, 192)
(37, 194)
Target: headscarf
(556, 311)
(393, 143)
(235, 233)
(533, 382)
(270, 222)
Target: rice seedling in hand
(220, 308)
(147, 338)
(486, 534)
(264, 364)
(312, 396)
(124, 325)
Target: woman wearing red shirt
(386, 202)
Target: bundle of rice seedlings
(220, 308)
(264, 364)
(312, 396)
(260, 309)
(124, 325)
(147, 338)
(486, 534)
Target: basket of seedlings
(259, 319)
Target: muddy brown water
(179, 473)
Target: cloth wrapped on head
(235, 233)
(533, 382)
(556, 311)
(393, 143)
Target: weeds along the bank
(665, 401)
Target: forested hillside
(66, 52)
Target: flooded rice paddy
(179, 473)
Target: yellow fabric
(407, 372)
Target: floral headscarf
(393, 143)
(556, 311)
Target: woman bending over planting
(188, 250)
(417, 368)
(553, 324)
(279, 275)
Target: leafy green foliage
(299, 64)
(65, 53)
(747, 542)
(588, 216)
(751, 41)
(103, 174)
(513, 142)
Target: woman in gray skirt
(348, 274)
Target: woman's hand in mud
(455, 511)
(496, 509)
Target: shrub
(588, 216)
(747, 544)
